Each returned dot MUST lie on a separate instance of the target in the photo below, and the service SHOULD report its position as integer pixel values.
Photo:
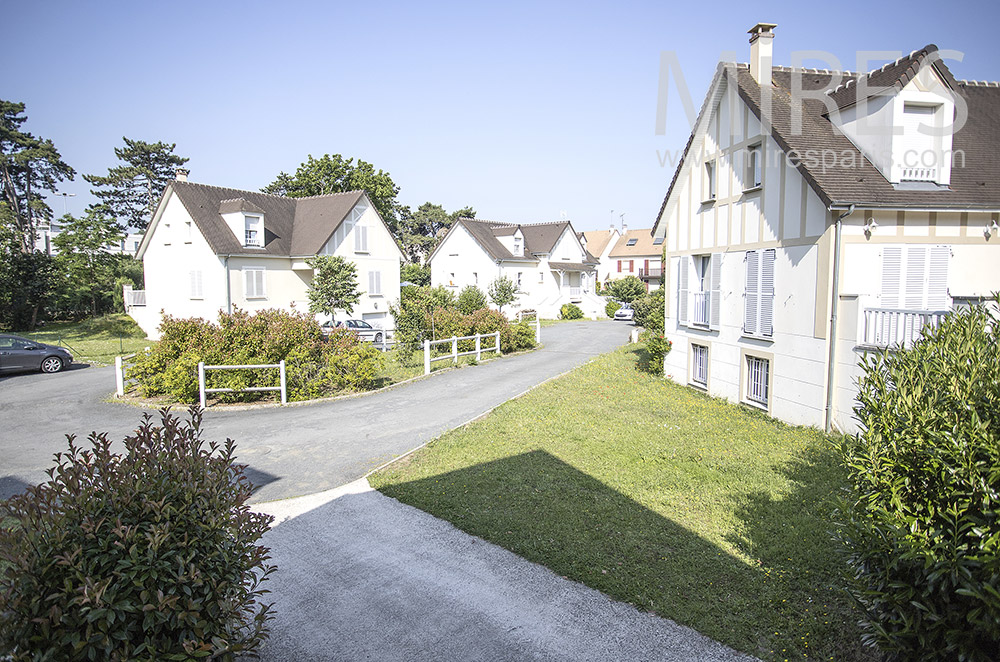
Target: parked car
(18, 354)
(625, 313)
(365, 331)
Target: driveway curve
(295, 450)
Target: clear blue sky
(522, 110)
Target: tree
(87, 268)
(471, 299)
(414, 273)
(503, 291)
(649, 310)
(626, 289)
(27, 278)
(29, 166)
(334, 285)
(335, 174)
(420, 232)
(131, 191)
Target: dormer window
(631, 242)
(254, 231)
(753, 176)
(517, 246)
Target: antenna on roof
(563, 214)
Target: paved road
(295, 450)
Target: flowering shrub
(315, 365)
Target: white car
(625, 313)
(365, 331)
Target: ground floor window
(758, 380)
(699, 365)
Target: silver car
(365, 331)
(18, 354)
(625, 313)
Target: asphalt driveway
(295, 450)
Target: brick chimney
(761, 46)
(182, 174)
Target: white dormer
(513, 242)
(245, 220)
(907, 134)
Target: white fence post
(119, 377)
(479, 342)
(454, 349)
(284, 389)
(201, 382)
(538, 330)
(497, 349)
(427, 357)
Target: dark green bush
(150, 554)
(657, 346)
(471, 299)
(611, 307)
(649, 311)
(922, 525)
(315, 365)
(570, 311)
(626, 289)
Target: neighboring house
(776, 236)
(599, 244)
(209, 249)
(638, 253)
(45, 241)
(547, 261)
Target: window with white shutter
(682, 289)
(758, 308)
(714, 290)
(915, 277)
(253, 281)
(196, 289)
(374, 283)
(360, 239)
(758, 380)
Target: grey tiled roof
(538, 237)
(292, 226)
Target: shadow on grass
(642, 360)
(549, 512)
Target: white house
(600, 243)
(818, 215)
(209, 248)
(637, 253)
(547, 261)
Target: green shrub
(518, 338)
(657, 346)
(315, 365)
(150, 554)
(570, 311)
(471, 299)
(649, 311)
(922, 525)
(412, 315)
(626, 289)
(611, 307)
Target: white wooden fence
(454, 348)
(204, 391)
(120, 380)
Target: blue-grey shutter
(767, 292)
(751, 294)
(715, 287)
(682, 289)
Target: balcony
(134, 298)
(919, 174)
(701, 305)
(652, 272)
(895, 328)
(575, 294)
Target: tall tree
(131, 191)
(88, 269)
(334, 285)
(502, 291)
(29, 167)
(420, 232)
(335, 174)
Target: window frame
(754, 169)
(197, 291)
(247, 294)
(711, 182)
(762, 300)
(693, 361)
(257, 227)
(361, 239)
(746, 375)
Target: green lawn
(96, 341)
(700, 511)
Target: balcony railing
(652, 272)
(920, 174)
(135, 298)
(891, 327)
(575, 294)
(701, 303)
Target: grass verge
(700, 511)
(97, 340)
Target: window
(253, 281)
(709, 181)
(631, 242)
(475, 278)
(757, 381)
(915, 277)
(187, 232)
(517, 246)
(758, 297)
(375, 283)
(253, 231)
(360, 239)
(619, 266)
(541, 276)
(196, 291)
(519, 274)
(658, 241)
(699, 365)
(699, 300)
(753, 175)
(631, 266)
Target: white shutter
(360, 239)
(937, 278)
(892, 270)
(767, 293)
(374, 282)
(715, 287)
(682, 289)
(196, 291)
(751, 294)
(378, 281)
(916, 277)
(254, 283)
